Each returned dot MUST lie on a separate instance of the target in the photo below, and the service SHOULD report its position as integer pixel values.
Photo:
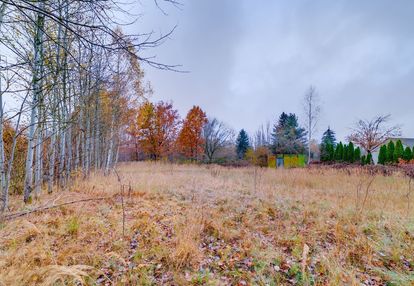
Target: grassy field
(210, 225)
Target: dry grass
(208, 225)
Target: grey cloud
(251, 60)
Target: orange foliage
(190, 140)
(156, 127)
(18, 168)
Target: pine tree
(242, 144)
(408, 155)
(390, 152)
(288, 137)
(382, 156)
(351, 152)
(399, 151)
(328, 137)
(357, 154)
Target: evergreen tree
(242, 144)
(327, 152)
(408, 155)
(369, 159)
(339, 152)
(357, 154)
(328, 137)
(351, 152)
(363, 160)
(327, 147)
(382, 156)
(390, 152)
(346, 153)
(287, 136)
(399, 151)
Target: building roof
(405, 141)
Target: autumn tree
(370, 134)
(190, 140)
(156, 128)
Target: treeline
(158, 133)
(330, 151)
(394, 152)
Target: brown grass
(210, 225)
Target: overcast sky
(250, 60)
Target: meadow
(168, 224)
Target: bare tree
(263, 136)
(312, 110)
(216, 135)
(370, 134)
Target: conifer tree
(242, 144)
(339, 152)
(345, 156)
(399, 151)
(351, 152)
(408, 155)
(390, 152)
(369, 159)
(328, 137)
(363, 160)
(357, 154)
(288, 137)
(382, 157)
(331, 152)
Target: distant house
(405, 141)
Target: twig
(408, 196)
(123, 210)
(20, 214)
(366, 194)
